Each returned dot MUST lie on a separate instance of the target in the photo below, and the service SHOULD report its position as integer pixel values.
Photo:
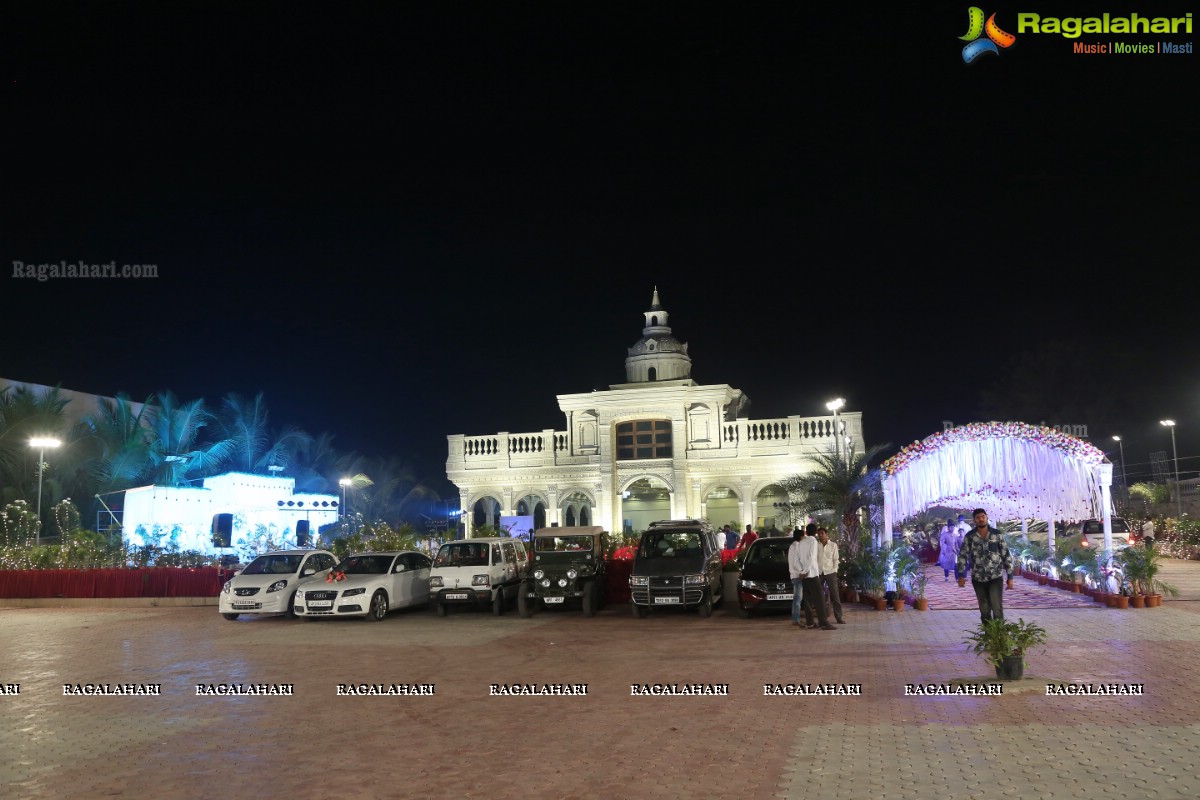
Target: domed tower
(657, 356)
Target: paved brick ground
(463, 743)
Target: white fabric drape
(1009, 476)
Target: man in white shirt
(805, 568)
(829, 560)
(1148, 534)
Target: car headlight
(276, 586)
(693, 579)
(227, 588)
(479, 580)
(545, 582)
(562, 582)
(639, 580)
(435, 582)
(299, 595)
(539, 574)
(352, 592)
(572, 574)
(755, 585)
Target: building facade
(659, 446)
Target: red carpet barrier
(149, 582)
(618, 580)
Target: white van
(478, 573)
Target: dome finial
(654, 304)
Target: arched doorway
(643, 501)
(485, 512)
(576, 509)
(721, 507)
(532, 505)
(774, 513)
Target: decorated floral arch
(1011, 469)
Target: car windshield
(463, 554)
(273, 565)
(366, 565)
(1096, 526)
(670, 544)
(552, 544)
(766, 551)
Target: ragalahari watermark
(76, 270)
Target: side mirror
(307, 571)
(399, 568)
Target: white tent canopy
(1011, 469)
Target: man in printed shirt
(985, 550)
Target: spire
(657, 356)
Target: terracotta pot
(1099, 596)
(921, 604)
(1075, 587)
(1137, 601)
(1043, 580)
(1120, 601)
(881, 604)
(1153, 600)
(1110, 600)
(851, 596)
(898, 604)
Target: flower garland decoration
(335, 575)
(1069, 445)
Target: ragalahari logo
(976, 27)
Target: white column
(887, 511)
(1050, 537)
(1106, 501)
(1024, 529)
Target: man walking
(748, 538)
(731, 538)
(949, 543)
(986, 552)
(829, 560)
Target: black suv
(677, 563)
(568, 567)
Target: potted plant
(1003, 644)
(920, 602)
(903, 565)
(874, 574)
(1155, 588)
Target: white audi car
(367, 585)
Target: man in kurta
(948, 543)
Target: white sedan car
(268, 583)
(367, 584)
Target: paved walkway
(462, 742)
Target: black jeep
(568, 567)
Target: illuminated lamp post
(834, 405)
(1124, 480)
(41, 443)
(1170, 423)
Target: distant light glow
(43, 442)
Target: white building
(659, 446)
(184, 514)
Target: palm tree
(256, 447)
(842, 484)
(315, 466)
(394, 494)
(176, 447)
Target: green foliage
(997, 639)
(19, 525)
(66, 517)
(903, 566)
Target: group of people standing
(813, 566)
(734, 542)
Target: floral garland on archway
(1010, 468)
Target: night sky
(411, 220)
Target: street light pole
(41, 444)
(1124, 480)
(344, 482)
(834, 405)
(1170, 423)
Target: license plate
(457, 595)
(666, 601)
(779, 597)
(553, 599)
(320, 603)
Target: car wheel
(379, 606)
(640, 612)
(720, 601)
(706, 606)
(439, 609)
(498, 602)
(744, 613)
(231, 617)
(291, 609)
(589, 599)
(525, 603)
